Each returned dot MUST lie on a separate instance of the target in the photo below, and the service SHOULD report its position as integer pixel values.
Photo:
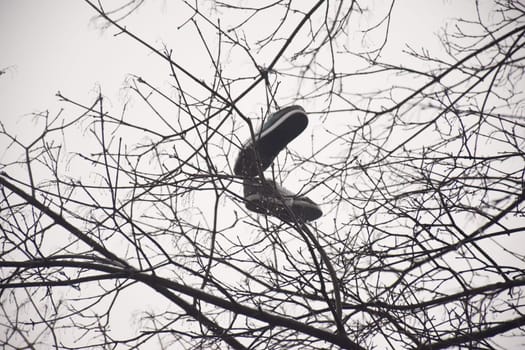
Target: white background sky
(48, 46)
(53, 45)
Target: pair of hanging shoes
(257, 154)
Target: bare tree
(416, 158)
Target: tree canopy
(124, 226)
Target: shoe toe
(305, 209)
(299, 210)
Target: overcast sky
(55, 45)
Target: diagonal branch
(60, 220)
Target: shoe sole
(270, 143)
(302, 210)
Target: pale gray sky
(55, 45)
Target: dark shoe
(278, 130)
(268, 198)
